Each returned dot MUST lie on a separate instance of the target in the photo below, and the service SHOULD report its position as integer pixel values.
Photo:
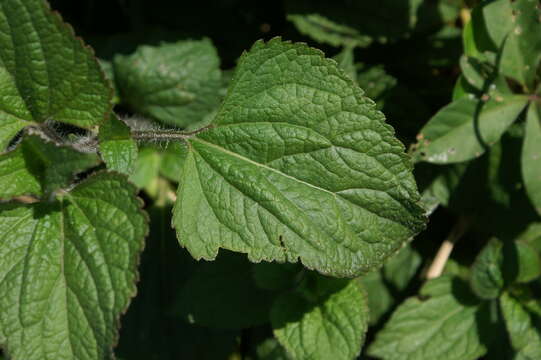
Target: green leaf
(466, 128)
(327, 31)
(46, 72)
(491, 23)
(69, 270)
(298, 165)
(531, 156)
(271, 349)
(228, 278)
(274, 276)
(521, 52)
(383, 286)
(357, 23)
(117, 149)
(523, 328)
(487, 279)
(147, 167)
(346, 62)
(447, 323)
(176, 83)
(37, 167)
(173, 158)
(328, 320)
(502, 263)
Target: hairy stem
(438, 264)
(166, 135)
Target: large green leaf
(37, 167)
(522, 326)
(298, 165)
(46, 72)
(176, 83)
(466, 128)
(521, 52)
(69, 270)
(447, 323)
(117, 148)
(325, 320)
(531, 156)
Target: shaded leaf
(447, 323)
(531, 156)
(523, 328)
(37, 167)
(175, 83)
(327, 320)
(201, 300)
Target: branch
(436, 268)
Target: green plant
(302, 230)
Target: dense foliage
(202, 181)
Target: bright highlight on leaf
(69, 270)
(299, 165)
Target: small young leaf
(487, 280)
(223, 294)
(523, 328)
(451, 324)
(147, 167)
(298, 165)
(503, 263)
(117, 149)
(466, 128)
(531, 156)
(177, 83)
(46, 72)
(327, 321)
(69, 270)
(522, 48)
(37, 167)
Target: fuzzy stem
(438, 264)
(165, 135)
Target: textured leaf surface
(448, 325)
(327, 321)
(223, 294)
(299, 164)
(522, 48)
(117, 148)
(37, 167)
(45, 71)
(523, 328)
(465, 129)
(531, 156)
(69, 270)
(177, 83)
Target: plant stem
(438, 264)
(165, 135)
